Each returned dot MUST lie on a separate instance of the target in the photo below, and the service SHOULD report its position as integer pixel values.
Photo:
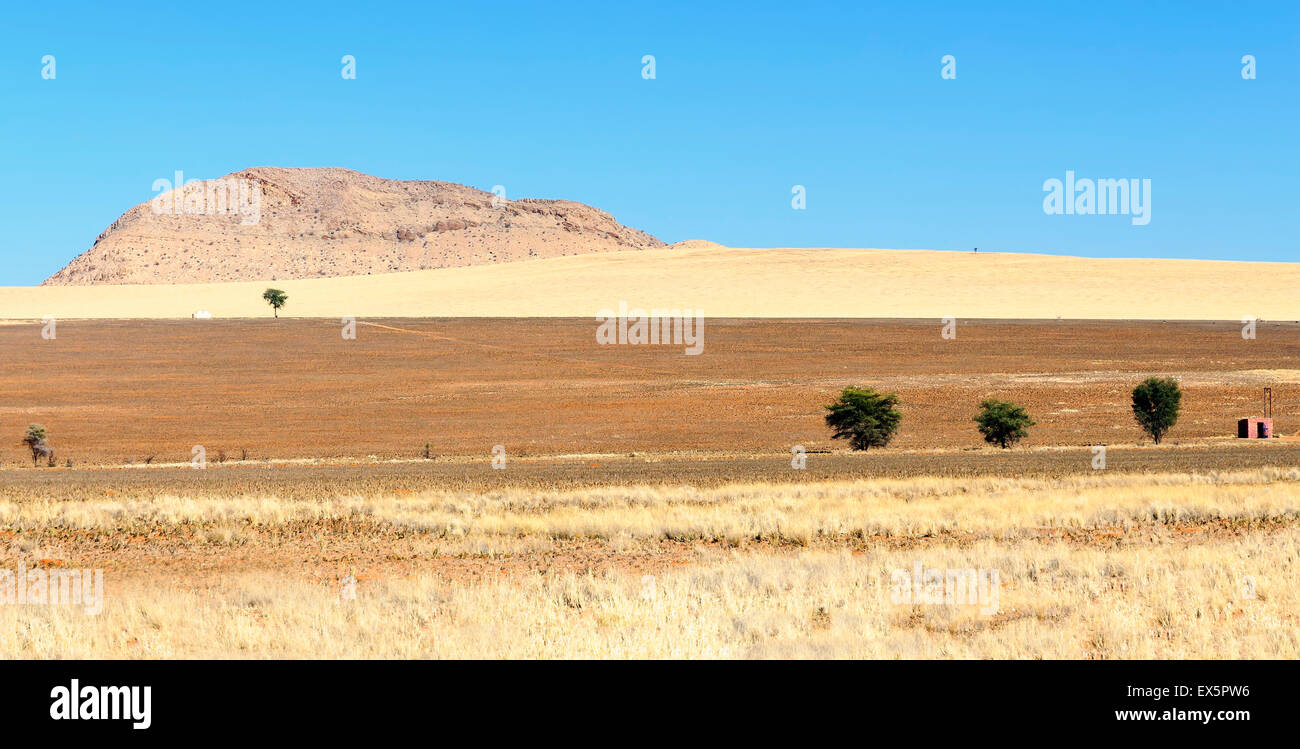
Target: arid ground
(1098, 565)
(120, 392)
(725, 282)
(648, 506)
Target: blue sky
(749, 100)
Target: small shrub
(864, 417)
(1002, 423)
(1155, 405)
(276, 298)
(36, 440)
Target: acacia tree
(35, 440)
(864, 417)
(1155, 405)
(276, 298)
(1002, 422)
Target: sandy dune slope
(732, 283)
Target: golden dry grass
(1228, 600)
(782, 513)
(734, 283)
(1096, 566)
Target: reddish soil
(112, 392)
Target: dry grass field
(1106, 565)
(648, 507)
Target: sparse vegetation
(812, 579)
(748, 391)
(36, 440)
(1002, 423)
(1156, 403)
(864, 417)
(276, 298)
(1146, 559)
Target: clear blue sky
(750, 99)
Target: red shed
(1255, 428)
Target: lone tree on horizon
(35, 439)
(1002, 422)
(1155, 405)
(276, 299)
(864, 417)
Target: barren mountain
(271, 223)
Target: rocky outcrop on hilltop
(273, 223)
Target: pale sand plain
(728, 282)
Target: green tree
(35, 439)
(276, 299)
(1002, 422)
(864, 417)
(1155, 405)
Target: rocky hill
(271, 223)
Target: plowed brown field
(114, 392)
